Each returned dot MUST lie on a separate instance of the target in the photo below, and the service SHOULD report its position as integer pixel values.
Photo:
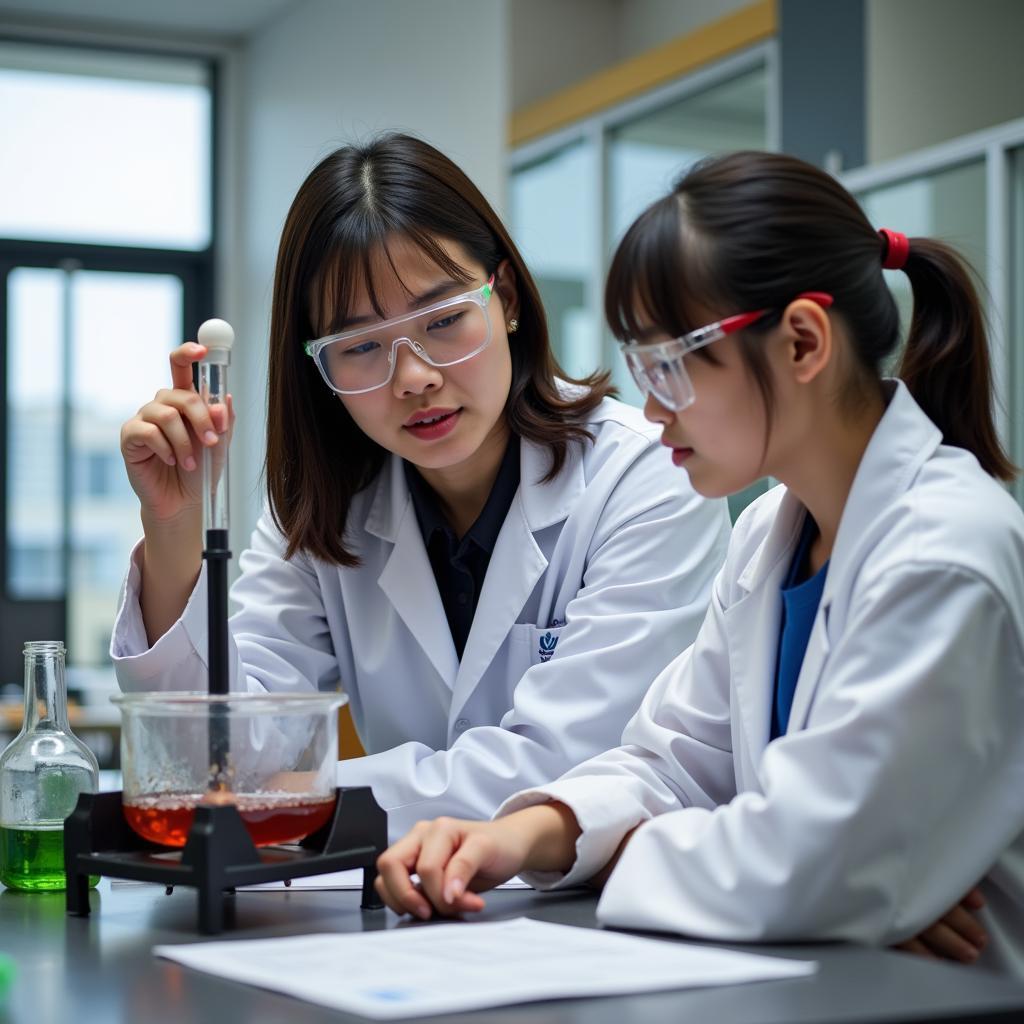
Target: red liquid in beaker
(268, 818)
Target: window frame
(197, 270)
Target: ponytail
(753, 230)
(946, 364)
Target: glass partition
(553, 204)
(1015, 318)
(647, 153)
(949, 205)
(969, 193)
(574, 197)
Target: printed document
(413, 970)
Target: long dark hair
(753, 230)
(348, 208)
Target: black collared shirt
(461, 565)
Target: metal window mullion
(997, 259)
(1015, 324)
(772, 123)
(68, 269)
(773, 97)
(940, 157)
(598, 142)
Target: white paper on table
(412, 971)
(352, 879)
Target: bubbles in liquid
(269, 818)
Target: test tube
(217, 336)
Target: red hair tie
(897, 249)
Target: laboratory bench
(101, 968)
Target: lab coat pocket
(543, 643)
(528, 645)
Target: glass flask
(42, 772)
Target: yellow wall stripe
(664, 63)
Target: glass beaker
(273, 756)
(42, 772)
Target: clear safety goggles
(659, 369)
(443, 334)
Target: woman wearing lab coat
(493, 562)
(840, 754)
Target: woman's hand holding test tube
(162, 447)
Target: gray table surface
(101, 968)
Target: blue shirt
(800, 599)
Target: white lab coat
(900, 780)
(596, 580)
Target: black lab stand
(218, 855)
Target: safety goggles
(659, 368)
(442, 334)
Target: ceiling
(215, 19)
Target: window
(968, 192)
(106, 235)
(104, 150)
(555, 213)
(948, 204)
(575, 194)
(648, 152)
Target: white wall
(331, 71)
(556, 43)
(643, 24)
(553, 44)
(937, 69)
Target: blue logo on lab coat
(547, 646)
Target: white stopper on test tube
(216, 333)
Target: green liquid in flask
(33, 858)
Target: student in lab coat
(493, 561)
(840, 754)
